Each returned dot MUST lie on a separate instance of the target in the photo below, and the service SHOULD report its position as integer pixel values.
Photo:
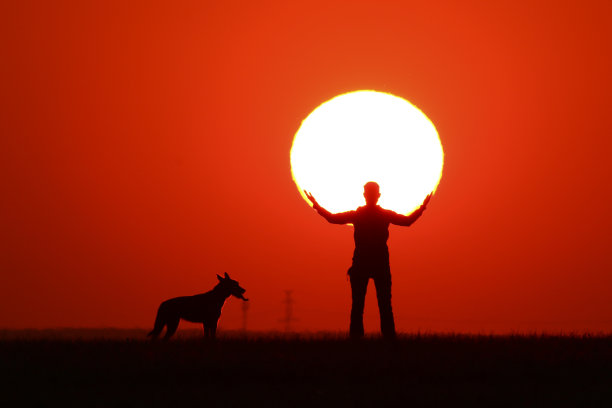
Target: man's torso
(371, 233)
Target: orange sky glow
(145, 148)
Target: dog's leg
(159, 323)
(213, 329)
(171, 327)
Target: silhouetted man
(371, 256)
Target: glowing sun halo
(366, 136)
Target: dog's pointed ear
(219, 277)
(226, 276)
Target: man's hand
(426, 201)
(312, 200)
(423, 206)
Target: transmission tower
(245, 315)
(288, 319)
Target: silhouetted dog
(204, 308)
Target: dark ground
(111, 368)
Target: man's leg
(359, 286)
(382, 282)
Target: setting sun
(366, 136)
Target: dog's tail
(160, 322)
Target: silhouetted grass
(306, 370)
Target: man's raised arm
(407, 220)
(339, 218)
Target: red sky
(145, 148)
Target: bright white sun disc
(367, 136)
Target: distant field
(118, 367)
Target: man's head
(371, 192)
